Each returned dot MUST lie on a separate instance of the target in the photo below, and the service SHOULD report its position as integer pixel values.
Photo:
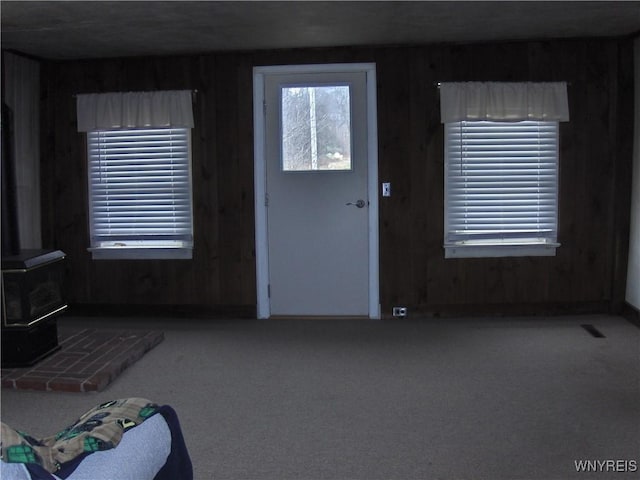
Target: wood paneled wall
(587, 273)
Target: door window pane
(316, 128)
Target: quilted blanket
(130, 438)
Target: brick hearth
(88, 361)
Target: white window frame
(137, 244)
(463, 237)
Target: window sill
(500, 250)
(141, 253)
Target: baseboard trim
(177, 311)
(422, 311)
(503, 310)
(631, 313)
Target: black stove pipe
(10, 232)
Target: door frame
(260, 176)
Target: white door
(317, 198)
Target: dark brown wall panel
(595, 154)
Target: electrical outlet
(400, 312)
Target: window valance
(106, 111)
(503, 101)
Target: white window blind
(140, 188)
(501, 185)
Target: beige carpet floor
(469, 398)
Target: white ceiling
(99, 29)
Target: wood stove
(32, 298)
(31, 285)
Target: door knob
(360, 203)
